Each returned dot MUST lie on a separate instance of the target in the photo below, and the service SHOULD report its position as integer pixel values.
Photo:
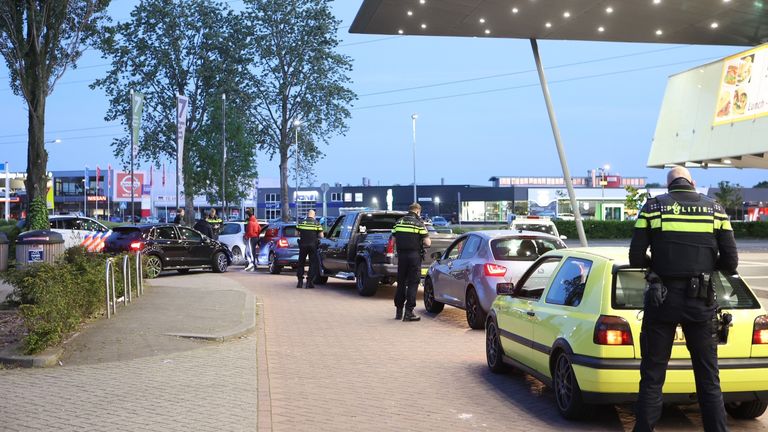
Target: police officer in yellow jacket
(411, 238)
(215, 222)
(310, 233)
(690, 238)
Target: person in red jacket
(251, 237)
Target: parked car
(573, 321)
(232, 235)
(279, 247)
(77, 231)
(535, 223)
(466, 274)
(327, 221)
(360, 245)
(440, 221)
(170, 247)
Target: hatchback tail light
(391, 247)
(495, 270)
(760, 332)
(282, 243)
(136, 246)
(612, 330)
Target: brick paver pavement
(340, 362)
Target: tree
(762, 185)
(192, 48)
(654, 185)
(301, 81)
(729, 196)
(40, 40)
(634, 200)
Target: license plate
(679, 336)
(424, 272)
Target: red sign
(123, 185)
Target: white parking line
(753, 263)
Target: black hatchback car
(170, 247)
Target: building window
(347, 197)
(273, 197)
(335, 196)
(358, 197)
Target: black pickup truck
(359, 246)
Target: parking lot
(337, 361)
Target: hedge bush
(55, 298)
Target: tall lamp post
(296, 124)
(414, 117)
(223, 153)
(85, 192)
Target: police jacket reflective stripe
(309, 231)
(688, 234)
(409, 233)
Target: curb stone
(247, 326)
(12, 356)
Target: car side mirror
(436, 255)
(562, 237)
(505, 288)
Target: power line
(68, 138)
(530, 85)
(53, 132)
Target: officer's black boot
(410, 316)
(398, 313)
(300, 284)
(310, 284)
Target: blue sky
(466, 132)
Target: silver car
(465, 275)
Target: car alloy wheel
(475, 314)
(567, 392)
(430, 304)
(154, 266)
(220, 262)
(493, 350)
(237, 254)
(273, 268)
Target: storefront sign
(123, 185)
(743, 91)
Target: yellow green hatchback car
(573, 321)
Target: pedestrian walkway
(129, 374)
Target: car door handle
(531, 313)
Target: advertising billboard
(743, 91)
(123, 181)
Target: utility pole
(414, 117)
(224, 154)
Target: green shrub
(11, 232)
(55, 298)
(38, 215)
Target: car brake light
(612, 330)
(495, 270)
(391, 246)
(282, 243)
(136, 246)
(760, 332)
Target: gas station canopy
(699, 22)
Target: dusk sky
(481, 111)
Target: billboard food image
(744, 87)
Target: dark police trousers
(408, 276)
(311, 251)
(656, 339)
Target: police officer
(411, 238)
(215, 222)
(690, 237)
(310, 233)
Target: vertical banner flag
(86, 183)
(163, 176)
(151, 181)
(109, 176)
(98, 174)
(137, 106)
(182, 104)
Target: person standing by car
(215, 222)
(690, 238)
(204, 227)
(179, 219)
(251, 237)
(411, 237)
(310, 233)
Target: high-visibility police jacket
(688, 234)
(309, 231)
(409, 233)
(215, 224)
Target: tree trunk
(284, 203)
(37, 158)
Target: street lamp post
(296, 124)
(223, 153)
(414, 117)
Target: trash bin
(3, 252)
(38, 246)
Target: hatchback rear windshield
(230, 228)
(547, 229)
(629, 285)
(126, 232)
(379, 222)
(522, 248)
(290, 231)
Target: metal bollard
(139, 275)
(110, 271)
(126, 279)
